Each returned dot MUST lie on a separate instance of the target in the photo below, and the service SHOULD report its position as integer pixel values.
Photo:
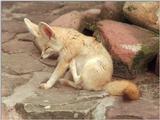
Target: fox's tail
(125, 88)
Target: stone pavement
(23, 71)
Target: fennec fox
(88, 61)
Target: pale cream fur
(88, 61)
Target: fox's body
(88, 61)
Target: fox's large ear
(33, 28)
(46, 30)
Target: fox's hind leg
(73, 69)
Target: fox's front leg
(59, 71)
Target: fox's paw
(44, 86)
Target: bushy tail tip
(123, 88)
(131, 92)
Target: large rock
(112, 10)
(77, 20)
(140, 109)
(131, 47)
(72, 19)
(144, 14)
(20, 64)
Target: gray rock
(9, 82)
(102, 107)
(26, 90)
(140, 109)
(59, 102)
(20, 64)
(79, 110)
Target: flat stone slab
(6, 36)
(49, 62)
(26, 90)
(16, 46)
(14, 26)
(79, 110)
(20, 63)
(62, 102)
(25, 37)
(59, 102)
(9, 82)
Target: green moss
(97, 36)
(91, 27)
(144, 56)
(131, 8)
(138, 63)
(149, 49)
(155, 34)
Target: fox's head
(45, 38)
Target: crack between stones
(100, 110)
(14, 36)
